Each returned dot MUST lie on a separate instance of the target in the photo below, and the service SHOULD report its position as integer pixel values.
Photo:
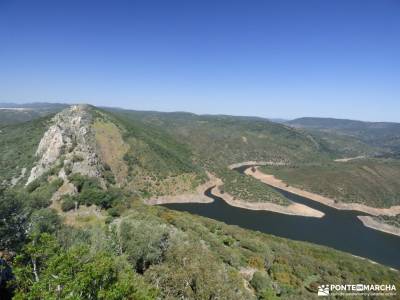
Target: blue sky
(282, 59)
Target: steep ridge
(114, 152)
(70, 139)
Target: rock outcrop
(69, 143)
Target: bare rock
(69, 140)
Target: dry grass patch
(112, 148)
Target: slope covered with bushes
(151, 252)
(373, 182)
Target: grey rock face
(70, 142)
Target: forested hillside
(378, 138)
(219, 141)
(18, 146)
(151, 252)
(373, 182)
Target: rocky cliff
(68, 143)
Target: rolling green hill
(18, 146)
(226, 140)
(80, 228)
(144, 160)
(378, 137)
(373, 182)
(153, 154)
(152, 163)
(219, 141)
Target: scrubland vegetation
(373, 138)
(142, 252)
(18, 146)
(152, 252)
(374, 182)
(156, 164)
(390, 220)
(248, 188)
(218, 141)
(89, 192)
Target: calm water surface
(338, 229)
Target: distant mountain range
(380, 137)
(341, 124)
(12, 113)
(341, 136)
(34, 105)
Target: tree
(6, 276)
(44, 270)
(44, 220)
(13, 221)
(191, 271)
(143, 242)
(263, 286)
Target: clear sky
(337, 58)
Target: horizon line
(283, 119)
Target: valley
(106, 186)
(338, 229)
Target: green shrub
(33, 185)
(113, 212)
(44, 220)
(108, 220)
(77, 158)
(37, 202)
(40, 191)
(90, 192)
(78, 180)
(68, 203)
(14, 217)
(80, 273)
(40, 196)
(260, 281)
(69, 236)
(109, 176)
(68, 168)
(143, 242)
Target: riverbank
(349, 158)
(195, 197)
(296, 209)
(257, 163)
(374, 224)
(199, 196)
(278, 183)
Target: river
(339, 229)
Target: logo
(356, 290)
(323, 290)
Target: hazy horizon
(269, 59)
(272, 118)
